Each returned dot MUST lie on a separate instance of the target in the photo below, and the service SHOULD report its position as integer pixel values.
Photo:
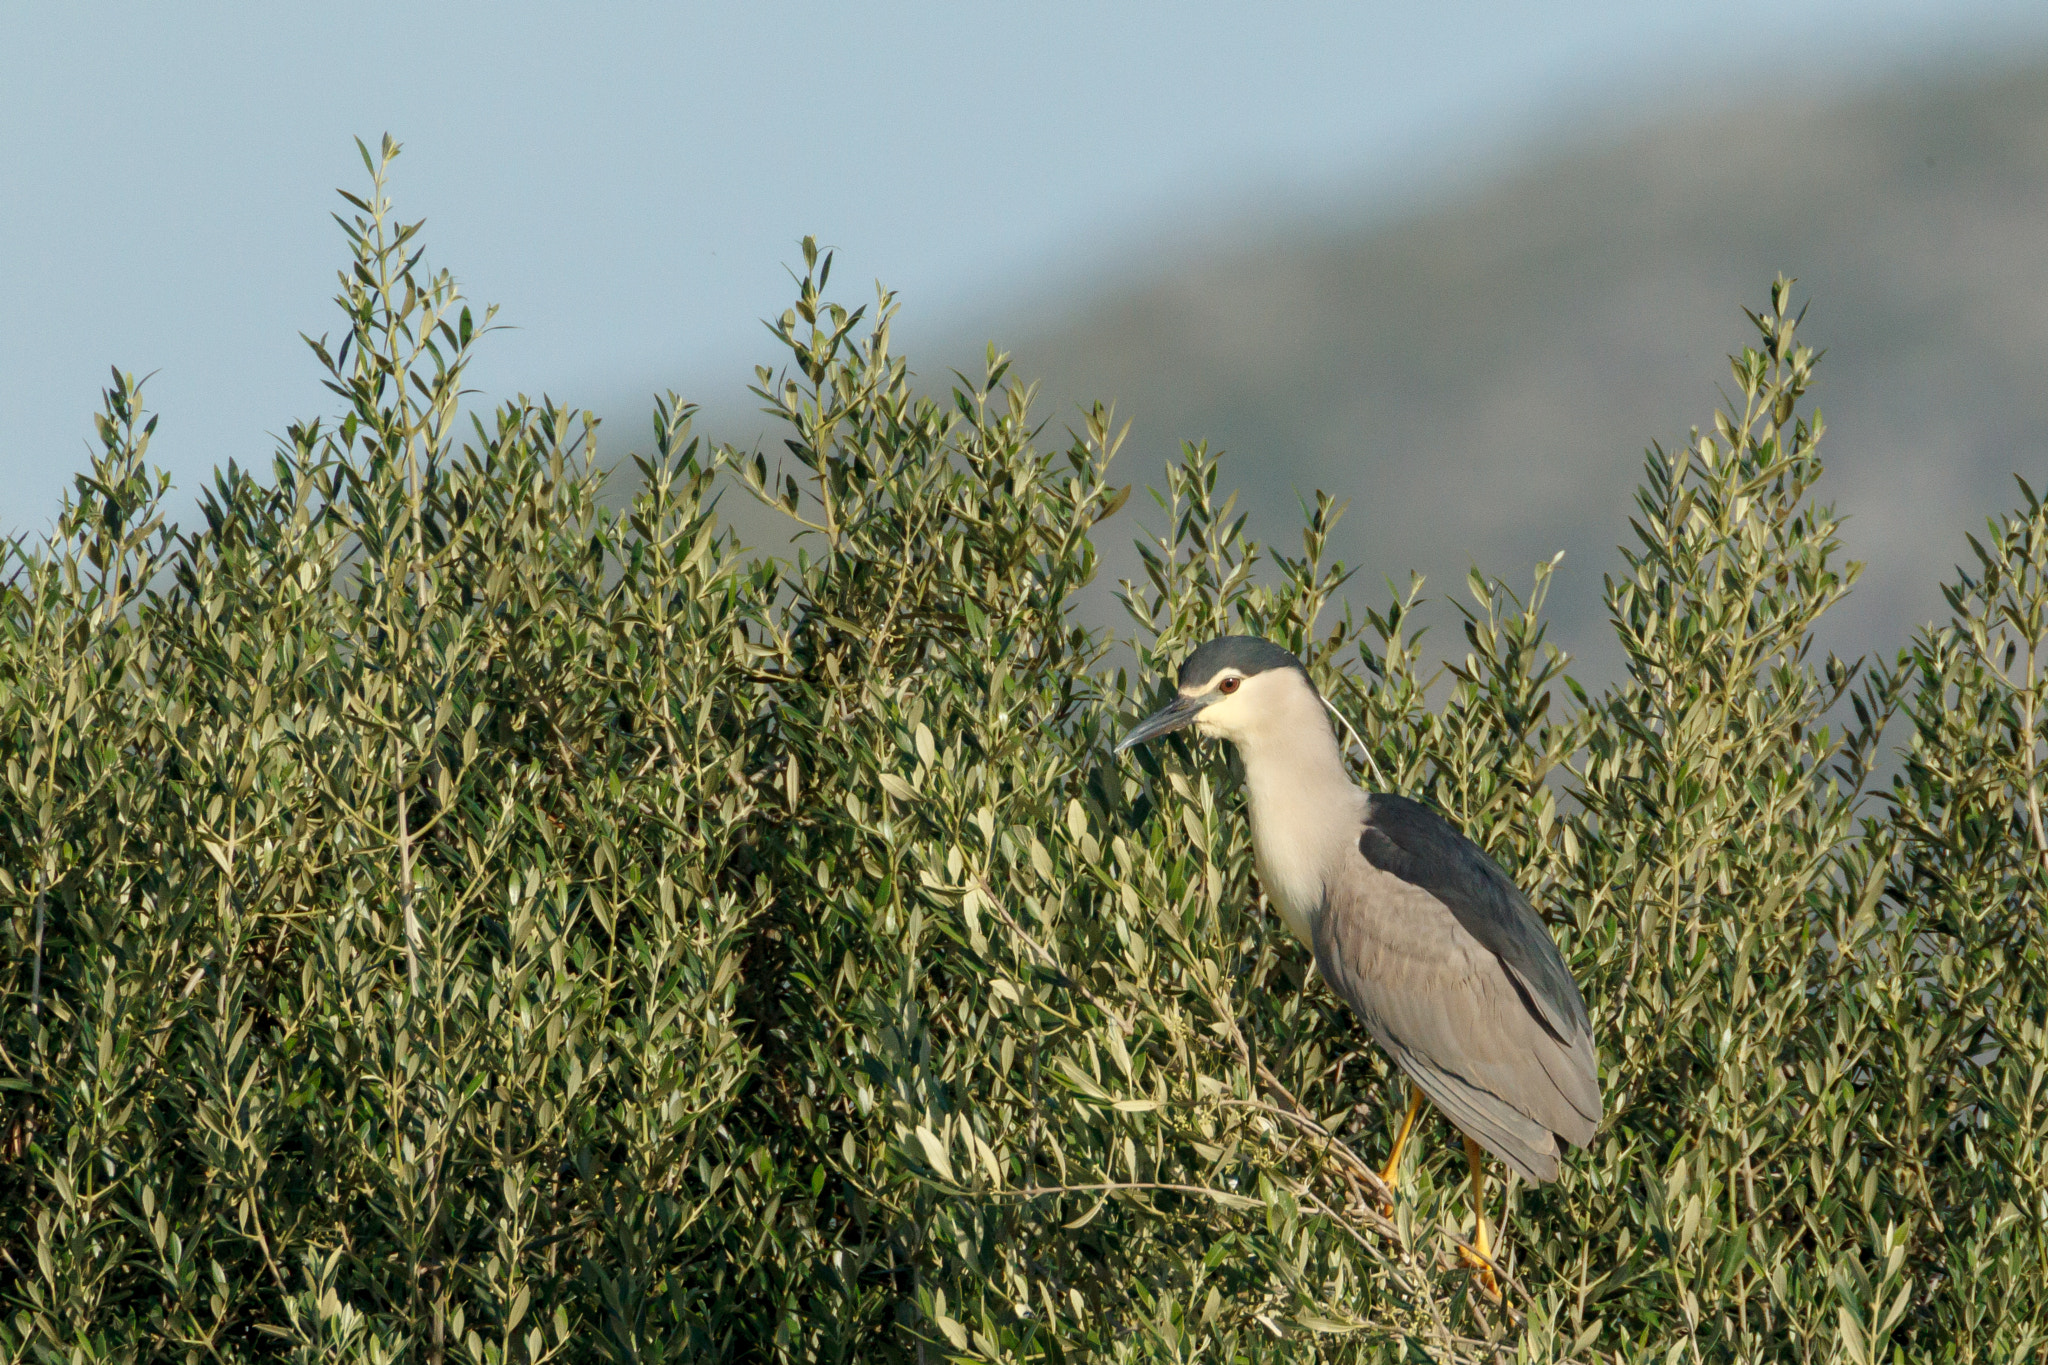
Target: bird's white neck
(1304, 806)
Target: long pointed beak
(1175, 715)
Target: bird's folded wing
(1468, 1028)
(1417, 845)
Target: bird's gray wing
(1413, 842)
(1456, 977)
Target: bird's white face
(1233, 704)
(1246, 708)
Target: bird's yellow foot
(1390, 1175)
(1479, 1256)
(1472, 1260)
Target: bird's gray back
(1457, 978)
(1414, 843)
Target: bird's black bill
(1175, 715)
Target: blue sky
(628, 181)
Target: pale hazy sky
(628, 181)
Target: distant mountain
(1480, 379)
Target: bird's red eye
(1228, 685)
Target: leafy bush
(448, 919)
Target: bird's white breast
(1300, 832)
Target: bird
(1423, 935)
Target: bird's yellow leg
(1480, 1254)
(1390, 1175)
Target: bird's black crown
(1248, 654)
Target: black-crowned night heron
(1411, 923)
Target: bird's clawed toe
(1489, 1283)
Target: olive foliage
(446, 916)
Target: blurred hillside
(1481, 377)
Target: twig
(1370, 761)
(35, 1001)
(1332, 1143)
(1046, 957)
